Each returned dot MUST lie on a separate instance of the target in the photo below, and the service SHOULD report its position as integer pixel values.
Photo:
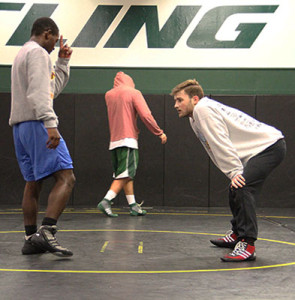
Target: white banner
(160, 34)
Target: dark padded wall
(91, 157)
(186, 163)
(279, 189)
(177, 174)
(149, 179)
(11, 182)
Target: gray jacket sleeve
(62, 75)
(218, 143)
(39, 92)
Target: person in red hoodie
(124, 103)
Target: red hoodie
(124, 103)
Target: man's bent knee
(66, 176)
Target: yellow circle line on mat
(95, 211)
(148, 272)
(151, 231)
(153, 271)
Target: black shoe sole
(61, 254)
(40, 251)
(223, 244)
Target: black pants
(242, 201)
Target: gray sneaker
(105, 206)
(44, 238)
(135, 210)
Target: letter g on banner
(204, 35)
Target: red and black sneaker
(242, 252)
(228, 241)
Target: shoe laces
(137, 207)
(239, 248)
(50, 232)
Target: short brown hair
(191, 87)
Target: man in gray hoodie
(244, 149)
(40, 149)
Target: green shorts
(125, 162)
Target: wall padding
(279, 188)
(186, 162)
(177, 174)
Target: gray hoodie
(34, 85)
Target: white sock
(130, 199)
(110, 195)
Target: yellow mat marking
(140, 250)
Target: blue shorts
(35, 160)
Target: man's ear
(195, 100)
(47, 33)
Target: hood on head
(123, 79)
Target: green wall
(161, 81)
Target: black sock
(49, 221)
(250, 241)
(30, 229)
